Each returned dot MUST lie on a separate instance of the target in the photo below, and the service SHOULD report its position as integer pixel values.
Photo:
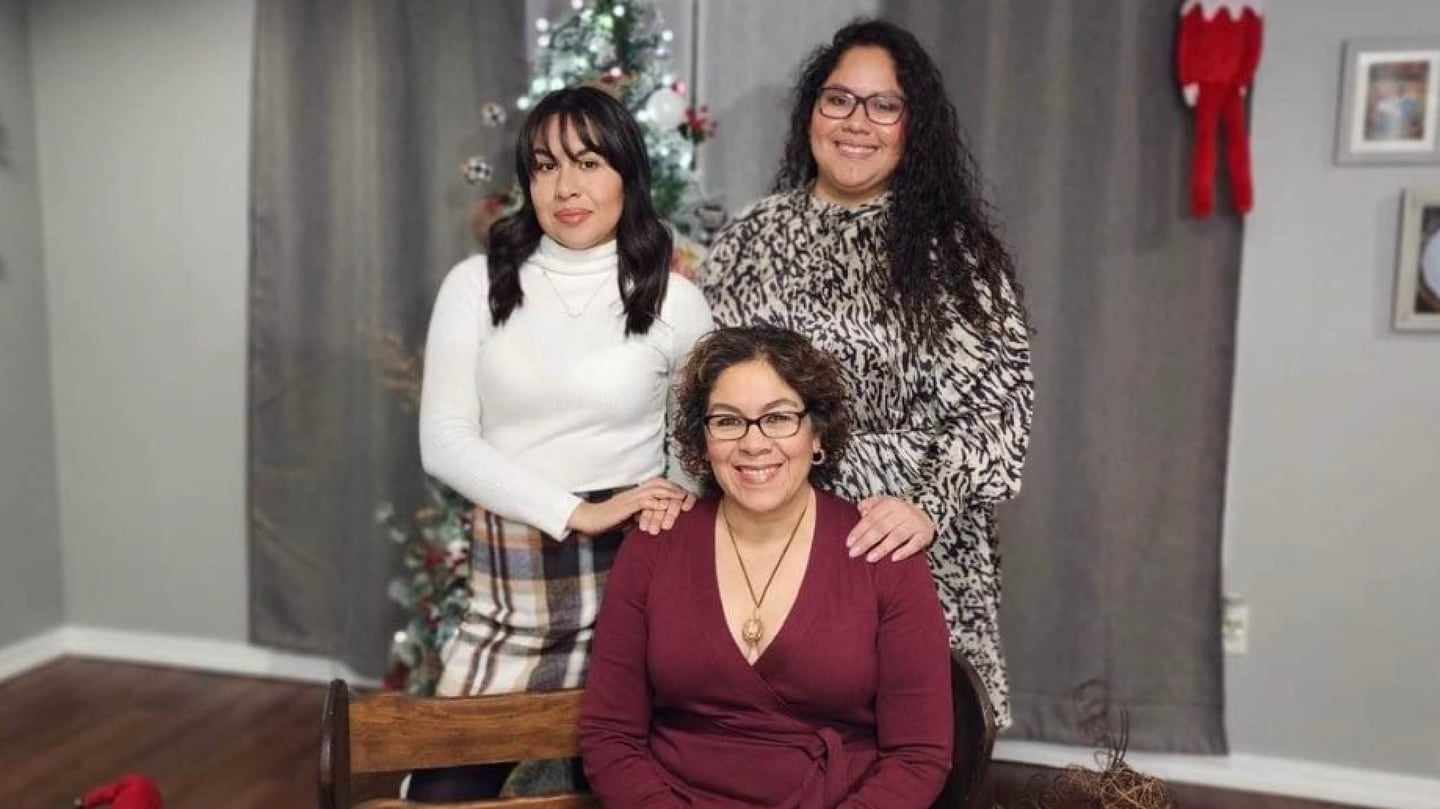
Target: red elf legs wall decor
(1217, 52)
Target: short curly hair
(813, 373)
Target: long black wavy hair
(605, 127)
(940, 237)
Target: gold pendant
(752, 631)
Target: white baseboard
(1251, 773)
(226, 657)
(35, 651)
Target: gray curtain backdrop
(1112, 551)
(364, 110)
(363, 113)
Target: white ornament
(477, 170)
(666, 108)
(602, 49)
(384, 512)
(542, 25)
(492, 114)
(456, 551)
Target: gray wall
(143, 114)
(1331, 528)
(31, 595)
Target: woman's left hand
(890, 526)
(662, 518)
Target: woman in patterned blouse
(877, 246)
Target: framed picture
(1389, 102)
(1417, 270)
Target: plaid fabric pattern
(533, 605)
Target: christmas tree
(433, 588)
(622, 48)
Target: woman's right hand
(599, 517)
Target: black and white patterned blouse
(944, 426)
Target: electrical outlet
(1235, 625)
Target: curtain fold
(1112, 551)
(363, 114)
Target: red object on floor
(127, 792)
(1216, 55)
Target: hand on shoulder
(656, 494)
(890, 527)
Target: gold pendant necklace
(753, 630)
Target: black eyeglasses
(881, 108)
(732, 427)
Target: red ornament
(130, 791)
(395, 678)
(1216, 56)
(697, 126)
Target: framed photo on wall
(1389, 102)
(1417, 270)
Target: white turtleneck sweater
(557, 400)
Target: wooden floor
(221, 742)
(209, 740)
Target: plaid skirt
(533, 604)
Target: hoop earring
(818, 457)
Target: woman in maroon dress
(743, 658)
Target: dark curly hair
(643, 242)
(813, 373)
(940, 238)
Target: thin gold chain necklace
(754, 629)
(566, 306)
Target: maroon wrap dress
(849, 706)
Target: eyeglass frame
(757, 423)
(859, 101)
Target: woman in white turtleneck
(547, 372)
